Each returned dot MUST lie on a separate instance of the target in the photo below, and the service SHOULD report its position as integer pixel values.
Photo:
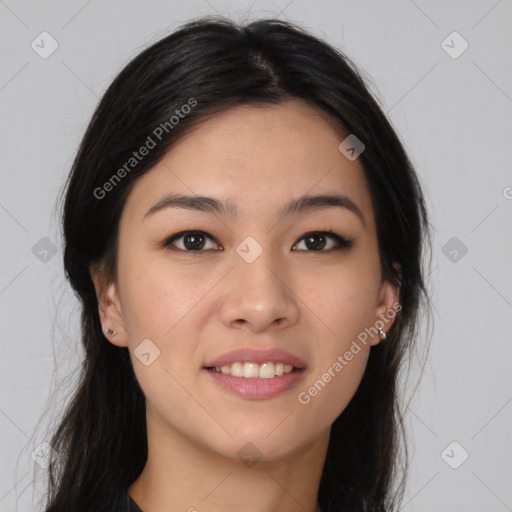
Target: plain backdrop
(450, 104)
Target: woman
(245, 232)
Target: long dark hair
(211, 64)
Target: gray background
(454, 116)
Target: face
(218, 299)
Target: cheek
(343, 300)
(169, 404)
(158, 298)
(329, 392)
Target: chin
(266, 441)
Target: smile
(252, 370)
(256, 373)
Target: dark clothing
(132, 506)
(126, 504)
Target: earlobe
(109, 309)
(387, 310)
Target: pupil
(194, 241)
(313, 243)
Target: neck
(182, 476)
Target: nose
(259, 296)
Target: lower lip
(254, 387)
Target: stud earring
(110, 332)
(382, 335)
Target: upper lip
(255, 355)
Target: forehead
(258, 157)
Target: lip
(256, 388)
(260, 356)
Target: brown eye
(197, 241)
(316, 241)
(190, 241)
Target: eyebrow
(300, 205)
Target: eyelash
(342, 242)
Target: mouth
(256, 374)
(253, 370)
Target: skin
(196, 306)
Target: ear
(109, 307)
(388, 307)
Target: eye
(314, 241)
(318, 240)
(190, 241)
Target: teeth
(267, 371)
(237, 369)
(251, 370)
